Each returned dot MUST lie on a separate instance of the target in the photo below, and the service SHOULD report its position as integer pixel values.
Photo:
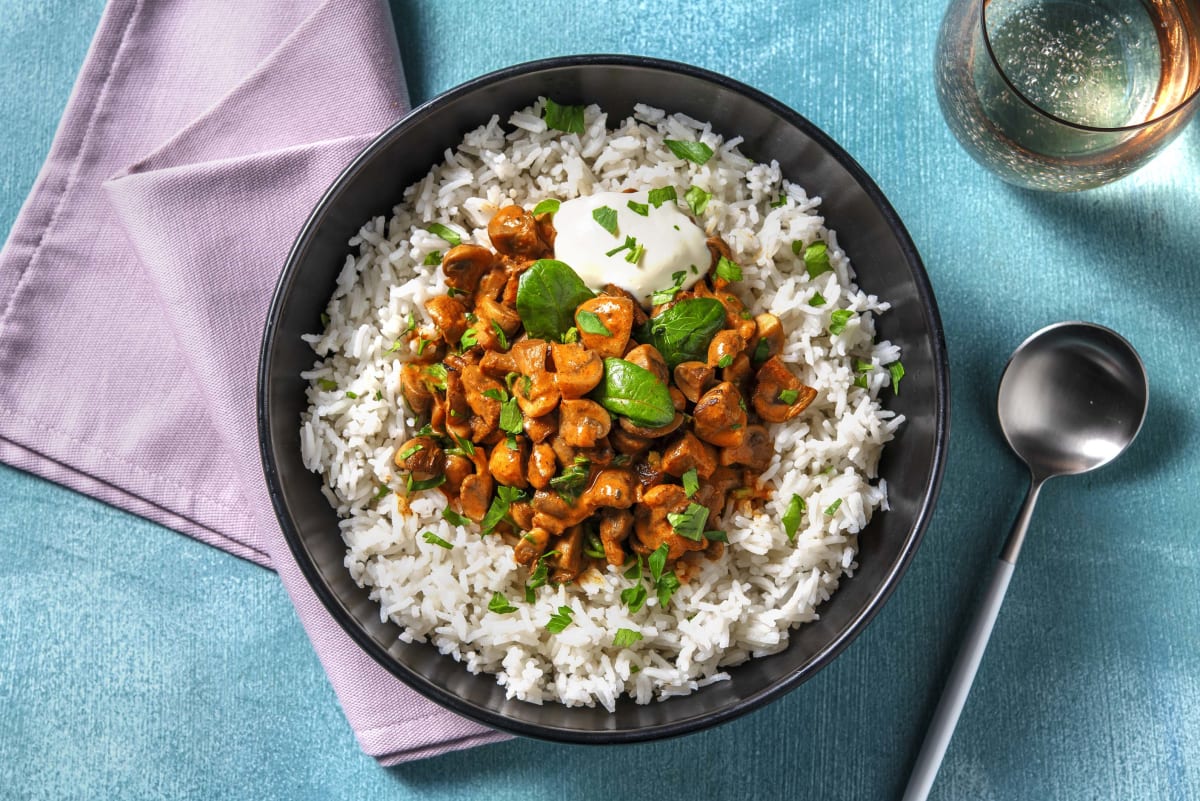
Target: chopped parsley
(762, 351)
(665, 295)
(658, 561)
(590, 323)
(780, 201)
(788, 396)
(695, 152)
(634, 597)
(606, 217)
(838, 320)
(666, 586)
(462, 447)
(572, 335)
(351, 395)
(716, 536)
(445, 232)
(454, 518)
(470, 339)
(500, 605)
(697, 200)
(495, 394)
(433, 259)
(817, 299)
(559, 620)
(570, 483)
(438, 373)
(382, 492)
(379, 394)
(626, 637)
(816, 259)
(429, 483)
(629, 244)
(421, 345)
(690, 522)
(538, 577)
(661, 195)
(407, 452)
(327, 384)
(691, 482)
(505, 497)
(594, 547)
(833, 507)
(897, 371)
(568, 119)
(434, 539)
(638, 208)
(725, 360)
(500, 335)
(547, 206)
(324, 319)
(791, 517)
(728, 270)
(510, 417)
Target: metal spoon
(1072, 398)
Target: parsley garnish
(407, 452)
(697, 200)
(382, 492)
(762, 351)
(833, 507)
(433, 259)
(379, 394)
(570, 483)
(327, 384)
(626, 637)
(606, 216)
(351, 395)
(510, 417)
(791, 517)
(666, 586)
(634, 597)
(897, 371)
(817, 299)
(568, 119)
(716, 536)
(470, 339)
(690, 522)
(725, 360)
(438, 373)
(660, 196)
(665, 295)
(638, 208)
(500, 605)
(691, 482)
(495, 394)
(500, 336)
(780, 201)
(429, 483)
(454, 518)
(696, 152)
(445, 232)
(434, 539)
(547, 206)
(816, 258)
(788, 396)
(324, 319)
(590, 323)
(594, 547)
(630, 244)
(838, 320)
(559, 620)
(505, 497)
(572, 335)
(728, 270)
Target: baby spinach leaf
(547, 297)
(682, 332)
(634, 392)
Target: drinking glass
(1068, 94)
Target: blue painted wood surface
(136, 663)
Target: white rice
(729, 610)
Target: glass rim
(987, 43)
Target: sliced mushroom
(449, 316)
(514, 232)
(458, 411)
(577, 370)
(689, 453)
(724, 346)
(492, 315)
(464, 265)
(648, 357)
(715, 488)
(613, 488)
(420, 456)
(492, 283)
(693, 379)
(507, 464)
(615, 315)
(475, 493)
(456, 469)
(639, 314)
(414, 389)
(767, 329)
(537, 396)
(719, 416)
(652, 527)
(739, 372)
(497, 364)
(583, 423)
(615, 527)
(542, 465)
(626, 443)
(569, 561)
(531, 545)
(540, 429)
(555, 514)
(772, 379)
(755, 451)
(485, 408)
(651, 433)
(521, 513)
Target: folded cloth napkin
(135, 282)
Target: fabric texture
(135, 283)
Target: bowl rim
(854, 626)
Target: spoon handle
(957, 686)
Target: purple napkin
(135, 282)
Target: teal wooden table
(136, 663)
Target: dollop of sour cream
(664, 241)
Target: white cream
(671, 243)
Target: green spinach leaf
(547, 297)
(682, 332)
(634, 392)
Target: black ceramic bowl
(869, 231)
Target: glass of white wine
(1068, 94)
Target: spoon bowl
(1072, 398)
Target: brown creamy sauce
(518, 440)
